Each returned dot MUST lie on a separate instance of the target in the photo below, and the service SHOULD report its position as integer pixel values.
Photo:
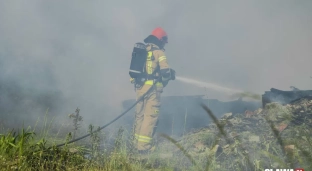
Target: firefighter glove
(165, 83)
(172, 74)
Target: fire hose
(112, 121)
(122, 114)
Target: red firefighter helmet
(160, 34)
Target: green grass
(222, 147)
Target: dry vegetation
(274, 137)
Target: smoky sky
(83, 48)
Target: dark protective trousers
(146, 117)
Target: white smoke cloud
(83, 48)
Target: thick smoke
(82, 49)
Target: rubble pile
(284, 97)
(249, 137)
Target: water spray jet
(208, 85)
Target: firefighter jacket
(157, 60)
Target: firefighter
(147, 110)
